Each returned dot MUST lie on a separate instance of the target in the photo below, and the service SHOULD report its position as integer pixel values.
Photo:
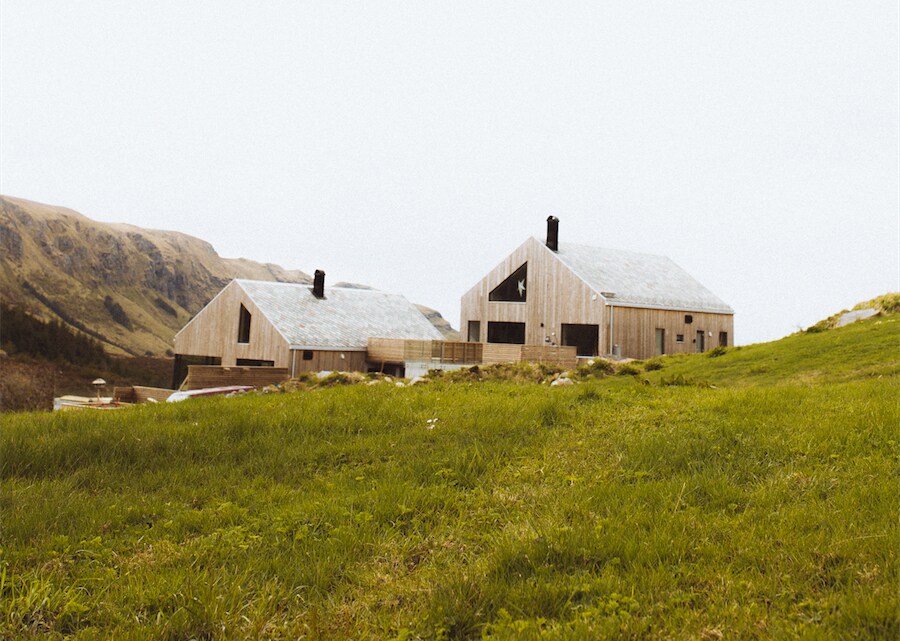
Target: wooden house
(296, 327)
(602, 301)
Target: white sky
(412, 145)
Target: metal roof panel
(639, 280)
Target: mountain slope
(129, 287)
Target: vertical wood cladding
(555, 295)
(634, 330)
(327, 360)
(214, 332)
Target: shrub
(163, 305)
(118, 314)
(22, 391)
(653, 365)
(628, 370)
(595, 369)
(888, 303)
(717, 351)
(518, 372)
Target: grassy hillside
(864, 349)
(733, 504)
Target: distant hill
(130, 288)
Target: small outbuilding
(602, 301)
(296, 327)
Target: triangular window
(512, 290)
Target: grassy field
(751, 495)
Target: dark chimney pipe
(553, 233)
(319, 284)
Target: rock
(418, 380)
(562, 381)
(852, 317)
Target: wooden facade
(214, 332)
(318, 360)
(559, 301)
(635, 331)
(554, 296)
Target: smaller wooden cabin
(299, 327)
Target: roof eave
(671, 308)
(323, 348)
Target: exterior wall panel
(634, 330)
(554, 296)
(214, 332)
(328, 360)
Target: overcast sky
(412, 145)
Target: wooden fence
(202, 376)
(397, 351)
(140, 394)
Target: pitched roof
(639, 280)
(346, 318)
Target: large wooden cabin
(296, 327)
(602, 301)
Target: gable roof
(638, 280)
(345, 319)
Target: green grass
(764, 507)
(869, 348)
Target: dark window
(512, 290)
(254, 362)
(688, 319)
(388, 369)
(585, 338)
(723, 339)
(660, 341)
(679, 338)
(701, 341)
(182, 361)
(244, 326)
(474, 334)
(307, 355)
(506, 333)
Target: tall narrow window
(244, 326)
(513, 289)
(474, 334)
(723, 339)
(660, 341)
